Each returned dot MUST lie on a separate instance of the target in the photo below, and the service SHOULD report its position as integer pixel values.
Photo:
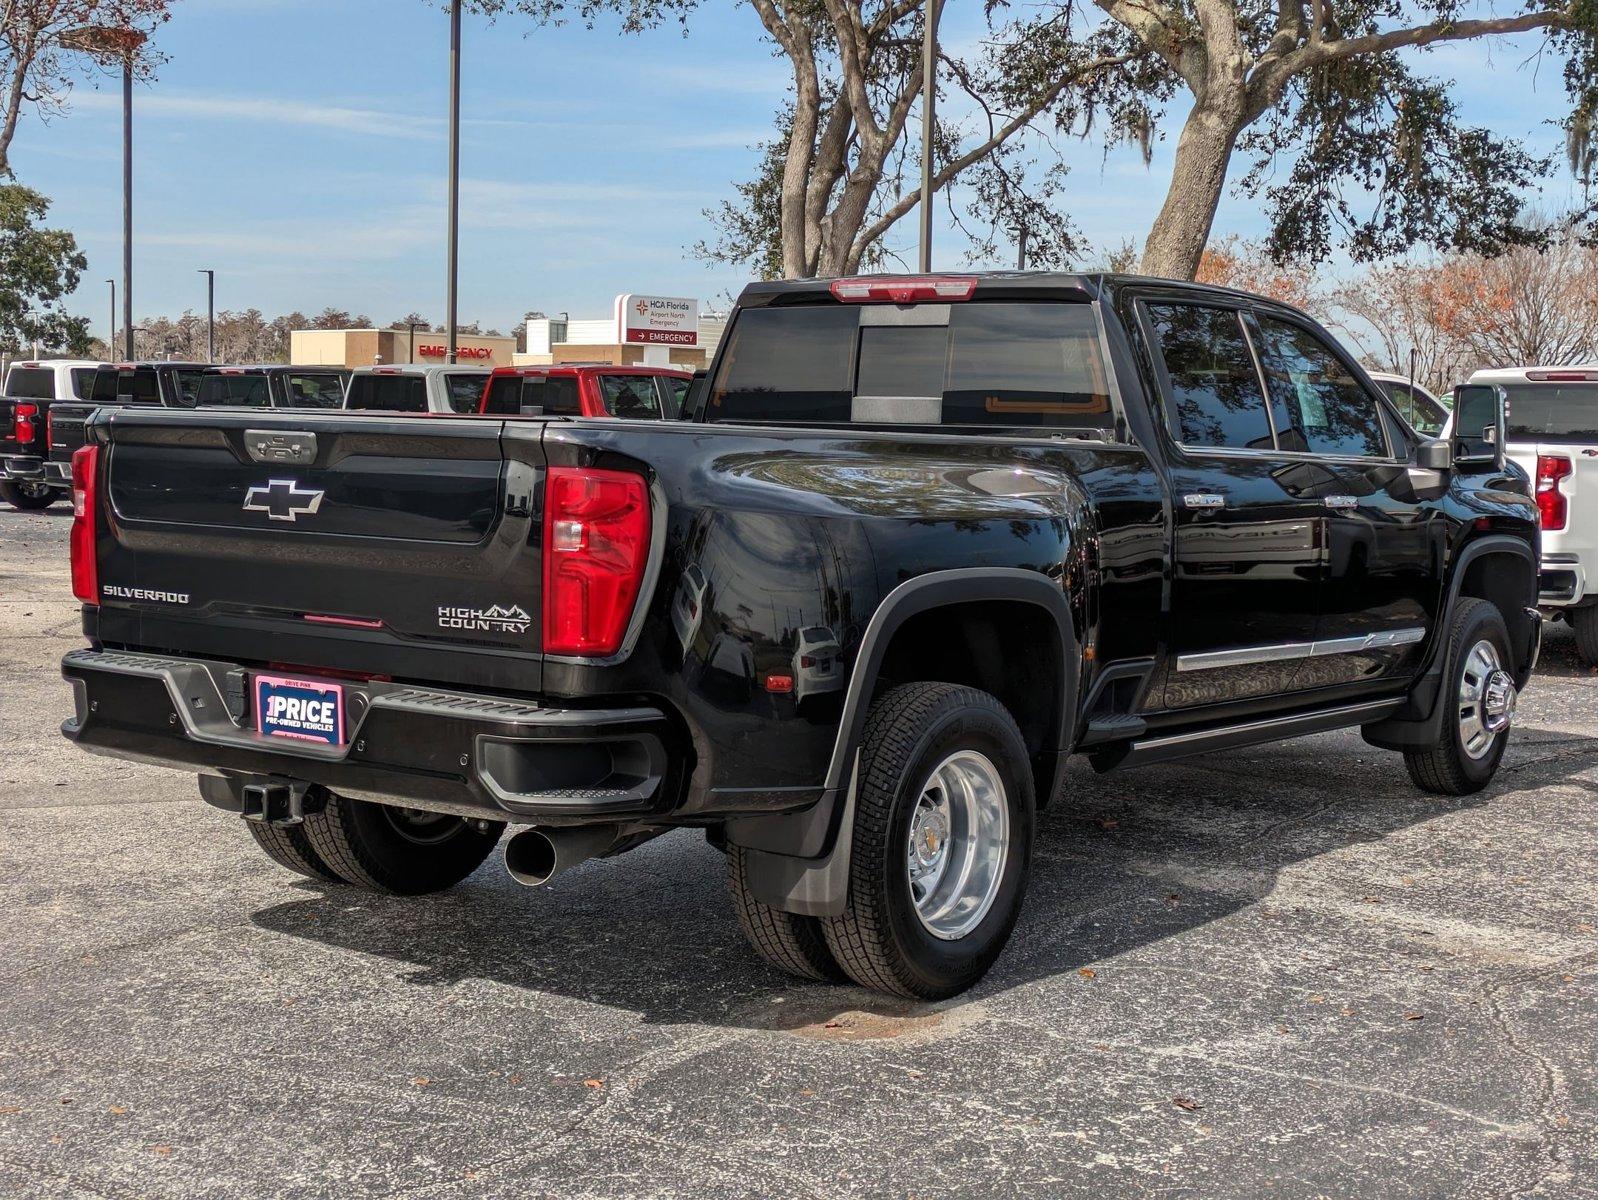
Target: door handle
(1204, 500)
(1342, 502)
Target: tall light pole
(111, 334)
(929, 106)
(118, 43)
(210, 313)
(454, 177)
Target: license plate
(305, 709)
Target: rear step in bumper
(477, 755)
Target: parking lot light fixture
(118, 44)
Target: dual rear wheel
(379, 847)
(943, 824)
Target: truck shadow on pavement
(1121, 861)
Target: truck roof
(419, 369)
(1567, 374)
(35, 364)
(1090, 285)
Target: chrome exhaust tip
(535, 856)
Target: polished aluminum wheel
(958, 844)
(1487, 699)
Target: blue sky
(298, 147)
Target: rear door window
(83, 382)
(630, 396)
(1553, 412)
(1215, 393)
(1326, 404)
(465, 392)
(31, 383)
(106, 385)
(388, 393)
(314, 391)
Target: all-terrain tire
(396, 850)
(1585, 622)
(788, 941)
(27, 499)
(289, 846)
(880, 940)
(1445, 767)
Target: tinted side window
(315, 391)
(145, 387)
(560, 397)
(31, 383)
(83, 382)
(1332, 409)
(465, 392)
(104, 388)
(1215, 391)
(631, 396)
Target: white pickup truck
(417, 388)
(1553, 434)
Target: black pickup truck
(147, 384)
(922, 539)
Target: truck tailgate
(67, 420)
(397, 545)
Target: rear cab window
(232, 391)
(979, 363)
(388, 393)
(1553, 412)
(31, 383)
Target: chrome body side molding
(1243, 656)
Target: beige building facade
(375, 347)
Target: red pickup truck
(586, 390)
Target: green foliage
(1380, 164)
(39, 268)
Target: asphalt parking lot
(1282, 972)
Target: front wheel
(944, 815)
(404, 851)
(29, 497)
(1480, 697)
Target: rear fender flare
(818, 886)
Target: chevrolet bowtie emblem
(282, 500)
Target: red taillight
(1551, 502)
(902, 289)
(49, 429)
(1561, 376)
(596, 542)
(22, 430)
(85, 496)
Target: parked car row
(44, 405)
(919, 541)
